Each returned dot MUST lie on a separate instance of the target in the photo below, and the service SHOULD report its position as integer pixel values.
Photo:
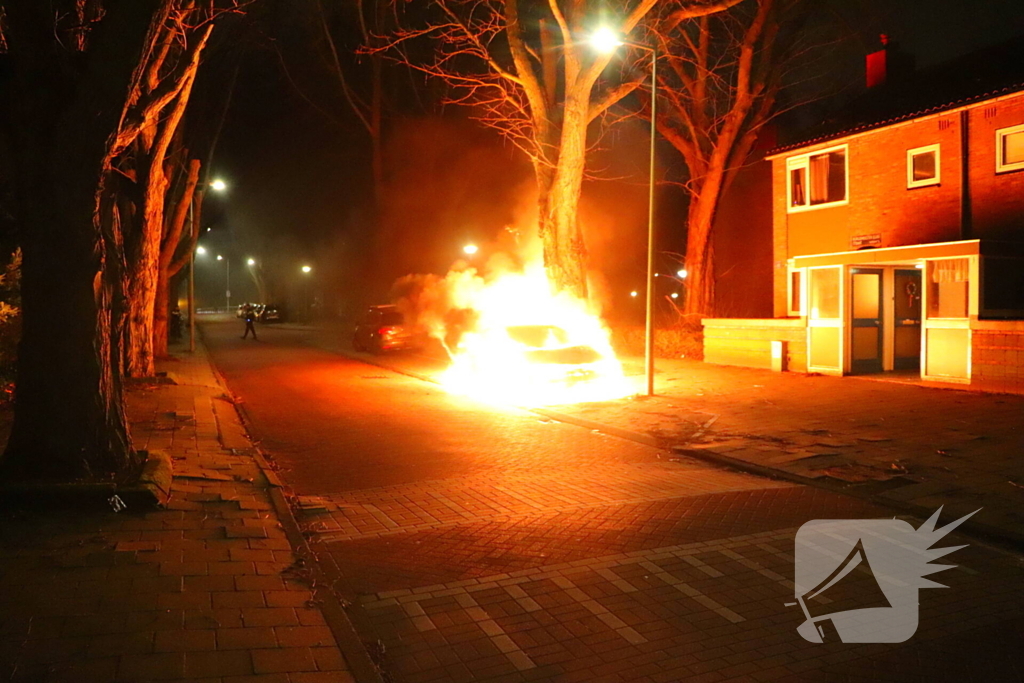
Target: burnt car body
(551, 355)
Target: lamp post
(227, 281)
(217, 185)
(606, 40)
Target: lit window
(923, 166)
(948, 288)
(817, 179)
(1010, 149)
(795, 302)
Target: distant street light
(219, 257)
(251, 262)
(682, 273)
(218, 185)
(633, 294)
(606, 40)
(201, 250)
(470, 249)
(307, 269)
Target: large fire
(513, 341)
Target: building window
(923, 166)
(817, 180)
(948, 288)
(1010, 149)
(795, 292)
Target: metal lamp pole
(192, 277)
(649, 330)
(227, 284)
(606, 40)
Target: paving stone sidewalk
(913, 446)
(207, 589)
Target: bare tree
(721, 87)
(81, 70)
(73, 83)
(168, 74)
(535, 78)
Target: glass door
(866, 320)
(906, 320)
(825, 320)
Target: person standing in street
(250, 320)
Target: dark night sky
(299, 181)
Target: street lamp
(307, 269)
(606, 40)
(251, 262)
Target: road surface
(485, 543)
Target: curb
(360, 664)
(988, 533)
(997, 536)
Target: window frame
(801, 273)
(918, 151)
(1001, 134)
(804, 161)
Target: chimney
(888, 64)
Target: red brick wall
(997, 360)
(997, 199)
(880, 202)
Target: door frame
(877, 364)
(839, 323)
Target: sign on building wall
(861, 241)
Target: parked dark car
(270, 314)
(383, 328)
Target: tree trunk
(565, 255)
(700, 266)
(69, 421)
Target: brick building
(898, 239)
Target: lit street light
(307, 269)
(251, 262)
(606, 40)
(200, 250)
(682, 273)
(218, 185)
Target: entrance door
(866, 321)
(907, 320)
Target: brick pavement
(206, 589)
(574, 556)
(914, 445)
(903, 443)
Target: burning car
(539, 364)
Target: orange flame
(528, 346)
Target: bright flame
(470, 249)
(524, 345)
